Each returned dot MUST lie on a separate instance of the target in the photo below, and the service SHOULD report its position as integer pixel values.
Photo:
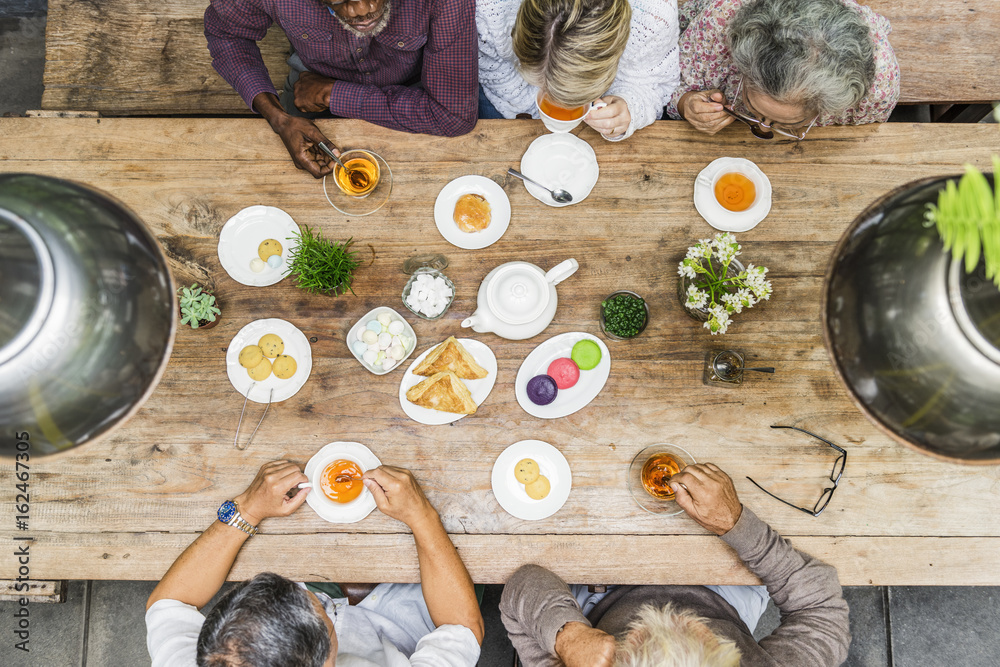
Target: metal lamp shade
(87, 313)
(915, 339)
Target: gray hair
(667, 637)
(818, 53)
(267, 621)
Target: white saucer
(480, 389)
(569, 400)
(242, 234)
(560, 161)
(296, 346)
(357, 509)
(510, 493)
(713, 212)
(444, 209)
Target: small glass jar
(645, 320)
(433, 273)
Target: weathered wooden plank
(121, 57)
(166, 471)
(34, 592)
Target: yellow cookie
(250, 356)
(539, 488)
(271, 345)
(268, 248)
(526, 471)
(261, 371)
(284, 367)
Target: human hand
(398, 495)
(312, 92)
(703, 109)
(612, 120)
(579, 645)
(707, 494)
(302, 138)
(267, 494)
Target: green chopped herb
(624, 315)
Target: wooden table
(125, 508)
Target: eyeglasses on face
(758, 127)
(835, 474)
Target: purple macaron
(542, 389)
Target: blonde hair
(570, 48)
(665, 637)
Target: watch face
(226, 511)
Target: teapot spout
(470, 321)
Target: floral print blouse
(706, 62)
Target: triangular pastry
(444, 392)
(451, 356)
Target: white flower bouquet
(717, 290)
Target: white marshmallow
(384, 340)
(396, 328)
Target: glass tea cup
(361, 176)
(559, 119)
(649, 473)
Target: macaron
(586, 354)
(542, 390)
(565, 372)
(359, 347)
(374, 325)
(274, 261)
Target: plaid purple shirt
(434, 40)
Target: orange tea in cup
(735, 192)
(552, 110)
(656, 472)
(361, 175)
(341, 481)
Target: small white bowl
(362, 324)
(714, 213)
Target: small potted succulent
(198, 307)
(321, 265)
(714, 285)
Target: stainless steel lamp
(87, 313)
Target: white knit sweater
(648, 71)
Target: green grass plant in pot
(320, 265)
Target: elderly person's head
(267, 621)
(570, 48)
(665, 637)
(801, 58)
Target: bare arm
(446, 584)
(199, 572)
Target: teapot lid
(518, 293)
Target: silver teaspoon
(559, 195)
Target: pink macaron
(565, 372)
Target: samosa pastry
(451, 356)
(444, 392)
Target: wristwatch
(229, 514)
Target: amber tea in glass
(361, 175)
(656, 472)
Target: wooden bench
(124, 57)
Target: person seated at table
(784, 66)
(270, 621)
(620, 52)
(404, 64)
(551, 624)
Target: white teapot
(517, 300)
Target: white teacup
(557, 125)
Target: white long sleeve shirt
(648, 72)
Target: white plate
(444, 210)
(713, 212)
(569, 400)
(510, 493)
(361, 324)
(241, 236)
(560, 161)
(296, 346)
(480, 389)
(357, 509)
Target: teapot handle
(562, 271)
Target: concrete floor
(101, 622)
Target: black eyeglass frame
(835, 476)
